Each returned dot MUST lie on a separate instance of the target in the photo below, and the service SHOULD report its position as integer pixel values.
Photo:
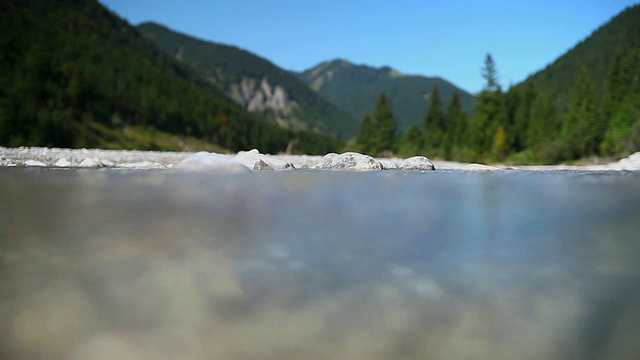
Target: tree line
(521, 125)
(71, 68)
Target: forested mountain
(255, 83)
(73, 74)
(595, 53)
(355, 88)
(586, 103)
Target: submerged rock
(479, 167)
(417, 163)
(143, 165)
(349, 161)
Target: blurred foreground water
(116, 264)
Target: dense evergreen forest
(536, 121)
(73, 74)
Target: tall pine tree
(434, 121)
(618, 107)
(499, 144)
(490, 75)
(366, 138)
(412, 142)
(385, 126)
(524, 116)
(581, 130)
(488, 109)
(455, 124)
(543, 123)
(615, 87)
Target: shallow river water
(121, 264)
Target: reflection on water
(109, 264)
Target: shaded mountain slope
(73, 74)
(595, 53)
(255, 83)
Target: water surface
(291, 265)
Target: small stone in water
(63, 162)
(34, 163)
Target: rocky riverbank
(242, 161)
(254, 160)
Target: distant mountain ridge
(255, 83)
(356, 87)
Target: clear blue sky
(445, 38)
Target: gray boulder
(349, 161)
(389, 164)
(63, 162)
(417, 163)
(34, 163)
(262, 165)
(254, 160)
(91, 162)
(205, 161)
(632, 162)
(107, 163)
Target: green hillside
(73, 74)
(255, 83)
(595, 53)
(355, 88)
(590, 95)
(584, 104)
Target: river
(446, 264)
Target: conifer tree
(580, 129)
(455, 120)
(543, 122)
(434, 122)
(524, 117)
(632, 73)
(614, 90)
(412, 142)
(490, 75)
(615, 109)
(366, 138)
(617, 133)
(499, 143)
(385, 125)
(488, 109)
